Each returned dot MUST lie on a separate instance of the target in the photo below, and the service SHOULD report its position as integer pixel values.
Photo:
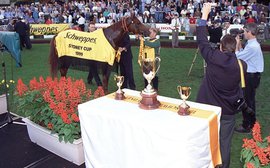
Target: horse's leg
(64, 65)
(63, 71)
(106, 71)
(93, 70)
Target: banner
(84, 45)
(46, 29)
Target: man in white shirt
(176, 27)
(253, 56)
(81, 21)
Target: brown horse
(113, 34)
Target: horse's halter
(124, 24)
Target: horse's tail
(53, 58)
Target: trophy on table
(119, 94)
(149, 96)
(184, 92)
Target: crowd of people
(79, 12)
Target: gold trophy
(119, 95)
(149, 96)
(184, 93)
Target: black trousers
(227, 124)
(25, 42)
(126, 70)
(93, 73)
(252, 83)
(175, 40)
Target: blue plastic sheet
(11, 41)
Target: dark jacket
(21, 28)
(221, 82)
(215, 34)
(125, 42)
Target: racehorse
(113, 34)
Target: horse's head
(115, 32)
(136, 27)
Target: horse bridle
(124, 24)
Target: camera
(241, 105)
(234, 32)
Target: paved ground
(17, 150)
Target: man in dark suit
(215, 33)
(126, 67)
(22, 29)
(221, 83)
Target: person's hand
(238, 43)
(206, 10)
(237, 38)
(121, 49)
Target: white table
(118, 134)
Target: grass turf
(175, 65)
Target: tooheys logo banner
(84, 45)
(46, 29)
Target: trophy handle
(179, 89)
(122, 79)
(115, 77)
(189, 91)
(157, 64)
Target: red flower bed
(256, 151)
(54, 104)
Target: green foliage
(256, 150)
(248, 156)
(7, 86)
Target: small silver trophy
(119, 95)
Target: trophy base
(119, 96)
(184, 111)
(149, 101)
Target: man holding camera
(221, 83)
(252, 55)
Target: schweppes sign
(84, 45)
(46, 29)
